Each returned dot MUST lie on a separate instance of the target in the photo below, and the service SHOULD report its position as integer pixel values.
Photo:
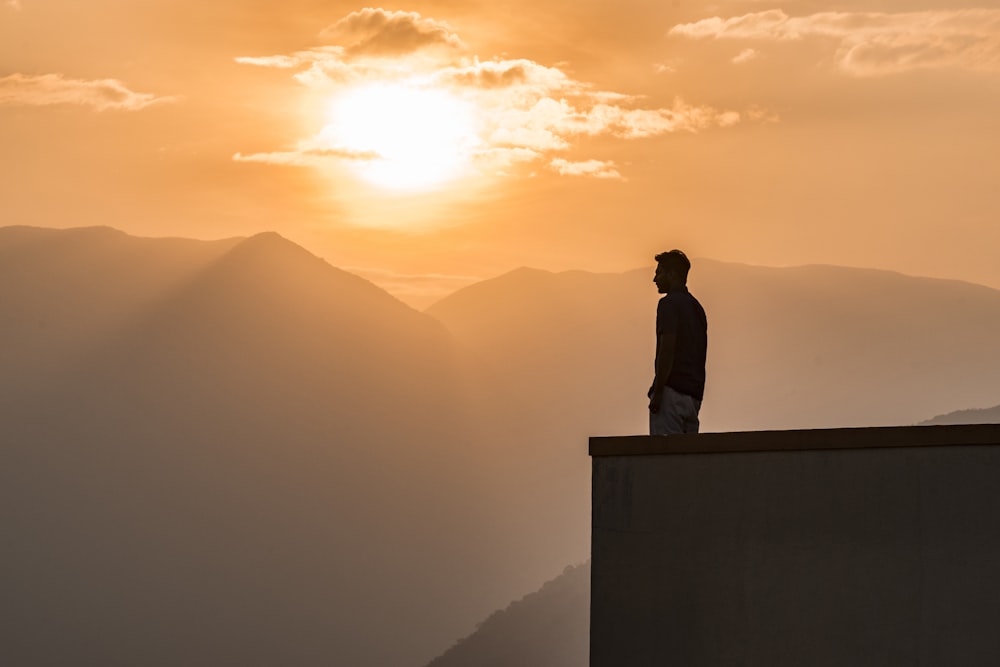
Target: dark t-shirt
(680, 313)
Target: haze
(233, 452)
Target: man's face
(662, 279)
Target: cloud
(873, 43)
(745, 56)
(642, 123)
(762, 115)
(772, 24)
(306, 155)
(12, 4)
(502, 74)
(378, 32)
(49, 89)
(281, 62)
(500, 158)
(297, 158)
(525, 111)
(595, 168)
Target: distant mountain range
(800, 347)
(228, 453)
(232, 452)
(547, 628)
(972, 416)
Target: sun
(407, 137)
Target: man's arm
(664, 362)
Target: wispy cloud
(306, 157)
(745, 56)
(873, 43)
(49, 89)
(12, 4)
(526, 111)
(595, 168)
(310, 153)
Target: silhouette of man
(681, 346)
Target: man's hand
(665, 344)
(655, 397)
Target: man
(681, 345)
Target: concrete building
(845, 547)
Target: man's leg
(669, 419)
(691, 421)
(678, 413)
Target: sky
(431, 144)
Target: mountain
(973, 416)
(800, 347)
(230, 453)
(547, 628)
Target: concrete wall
(846, 548)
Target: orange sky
(428, 144)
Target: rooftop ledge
(812, 439)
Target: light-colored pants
(678, 413)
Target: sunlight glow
(406, 137)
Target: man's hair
(675, 260)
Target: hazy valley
(232, 452)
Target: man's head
(671, 270)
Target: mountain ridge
(781, 312)
(969, 416)
(546, 627)
(244, 434)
